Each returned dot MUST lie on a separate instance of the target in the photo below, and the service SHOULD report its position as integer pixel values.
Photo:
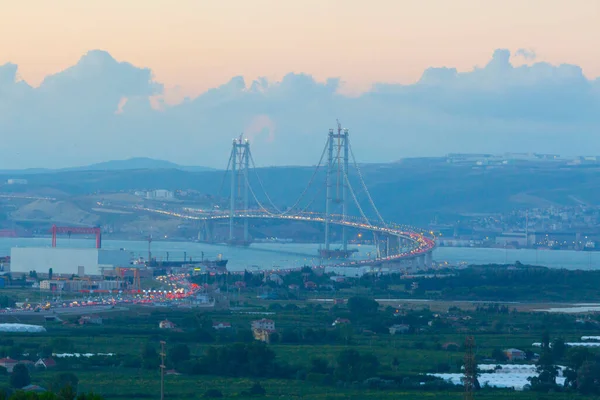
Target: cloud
(80, 115)
(527, 54)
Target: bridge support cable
(290, 210)
(225, 175)
(262, 187)
(258, 202)
(362, 181)
(310, 181)
(362, 213)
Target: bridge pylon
(337, 188)
(240, 165)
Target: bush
(213, 394)
(257, 390)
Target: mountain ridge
(128, 164)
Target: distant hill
(131, 163)
(412, 191)
(137, 163)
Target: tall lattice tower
(470, 379)
(337, 172)
(240, 161)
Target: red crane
(69, 230)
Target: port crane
(78, 230)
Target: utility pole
(162, 369)
(470, 365)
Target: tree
(213, 394)
(559, 348)
(67, 393)
(179, 353)
(352, 366)
(547, 373)
(257, 390)
(20, 376)
(62, 344)
(319, 365)
(15, 352)
(395, 363)
(64, 379)
(499, 355)
(362, 306)
(149, 357)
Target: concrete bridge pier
(206, 232)
(429, 259)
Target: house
(515, 354)
(45, 363)
(221, 325)
(90, 319)
(451, 346)
(276, 278)
(309, 285)
(399, 328)
(264, 324)
(8, 363)
(33, 388)
(340, 321)
(262, 335)
(166, 324)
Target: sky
(84, 82)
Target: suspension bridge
(394, 244)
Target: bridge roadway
(422, 245)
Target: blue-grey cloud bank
(100, 109)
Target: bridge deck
(422, 245)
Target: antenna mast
(162, 369)
(470, 379)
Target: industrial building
(78, 285)
(67, 261)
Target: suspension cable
(362, 181)
(262, 186)
(312, 201)
(304, 192)
(355, 200)
(225, 174)
(260, 205)
(297, 202)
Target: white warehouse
(67, 261)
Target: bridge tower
(337, 187)
(240, 163)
